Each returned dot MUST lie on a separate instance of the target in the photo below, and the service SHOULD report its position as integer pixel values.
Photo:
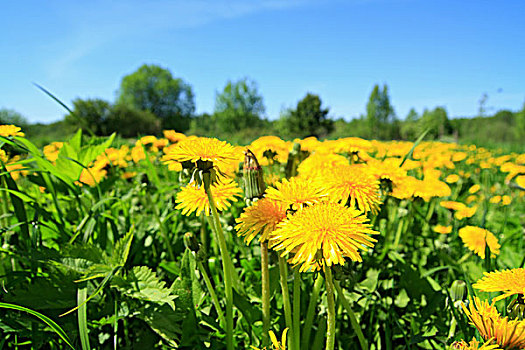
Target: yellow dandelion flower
(137, 153)
(10, 130)
(323, 234)
(193, 198)
(459, 156)
(486, 318)
(92, 176)
(52, 150)
(128, 175)
(466, 212)
(148, 139)
(298, 192)
(520, 180)
(477, 238)
(452, 205)
(173, 136)
(220, 153)
(275, 343)
(167, 159)
(442, 229)
(431, 187)
(388, 170)
(505, 200)
(509, 282)
(308, 144)
(261, 217)
(452, 178)
(474, 188)
(471, 198)
(320, 164)
(474, 345)
(3, 156)
(15, 169)
(354, 185)
(270, 148)
(405, 188)
(495, 199)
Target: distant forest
(151, 100)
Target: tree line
(151, 99)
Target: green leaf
(143, 284)
(122, 248)
(55, 327)
(370, 283)
(402, 299)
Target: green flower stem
(297, 307)
(452, 329)
(330, 334)
(265, 276)
(226, 262)
(203, 234)
(213, 295)
(351, 315)
(310, 313)
(283, 270)
(400, 226)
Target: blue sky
(430, 53)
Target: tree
(239, 106)
(379, 112)
(409, 127)
(307, 119)
(91, 114)
(436, 121)
(130, 122)
(153, 88)
(10, 116)
(519, 128)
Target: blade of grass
(57, 100)
(82, 317)
(409, 154)
(18, 205)
(55, 327)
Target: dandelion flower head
(297, 192)
(473, 345)
(262, 217)
(320, 164)
(220, 153)
(193, 198)
(353, 184)
(508, 334)
(442, 229)
(276, 345)
(10, 130)
(323, 234)
(477, 238)
(509, 282)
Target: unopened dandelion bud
(190, 241)
(458, 294)
(458, 290)
(254, 186)
(295, 157)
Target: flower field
(194, 243)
